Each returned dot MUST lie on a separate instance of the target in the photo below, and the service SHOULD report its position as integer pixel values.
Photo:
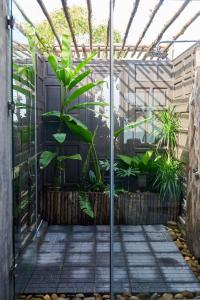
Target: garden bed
(62, 207)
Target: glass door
(24, 147)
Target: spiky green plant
(167, 131)
(169, 178)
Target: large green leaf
(85, 104)
(60, 137)
(78, 79)
(53, 113)
(66, 57)
(63, 75)
(74, 156)
(52, 59)
(78, 128)
(23, 91)
(82, 64)
(85, 204)
(45, 158)
(126, 159)
(80, 91)
(131, 126)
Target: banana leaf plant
(72, 86)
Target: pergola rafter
(183, 29)
(166, 26)
(133, 13)
(44, 10)
(89, 7)
(155, 10)
(28, 21)
(68, 19)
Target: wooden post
(193, 189)
(6, 287)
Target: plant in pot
(71, 82)
(170, 171)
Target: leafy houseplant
(69, 78)
(167, 132)
(169, 174)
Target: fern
(85, 204)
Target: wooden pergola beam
(45, 12)
(183, 29)
(89, 6)
(133, 13)
(68, 19)
(28, 21)
(154, 12)
(166, 26)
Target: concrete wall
(5, 160)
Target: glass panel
(24, 148)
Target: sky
(122, 13)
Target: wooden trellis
(123, 50)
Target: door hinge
(11, 107)
(10, 22)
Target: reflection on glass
(24, 158)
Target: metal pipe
(111, 151)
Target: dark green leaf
(80, 91)
(131, 126)
(22, 90)
(78, 128)
(126, 159)
(59, 137)
(84, 63)
(78, 79)
(66, 51)
(53, 113)
(74, 156)
(45, 158)
(52, 59)
(85, 104)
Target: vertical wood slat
(62, 207)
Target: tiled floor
(75, 259)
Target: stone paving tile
(164, 247)
(76, 259)
(131, 228)
(140, 259)
(178, 274)
(170, 259)
(136, 247)
(145, 274)
(158, 236)
(78, 247)
(133, 237)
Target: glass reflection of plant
(69, 79)
(23, 123)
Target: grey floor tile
(75, 259)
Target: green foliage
(59, 137)
(131, 125)
(45, 158)
(100, 35)
(79, 18)
(126, 172)
(85, 204)
(169, 178)
(168, 129)
(69, 79)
